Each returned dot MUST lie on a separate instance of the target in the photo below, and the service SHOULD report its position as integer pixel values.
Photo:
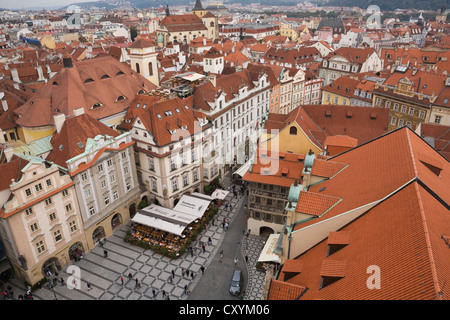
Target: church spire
(167, 9)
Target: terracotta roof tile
(315, 204)
(284, 291)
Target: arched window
(138, 68)
(293, 130)
(150, 68)
(211, 24)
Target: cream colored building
(40, 223)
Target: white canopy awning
(203, 196)
(192, 205)
(159, 224)
(267, 254)
(243, 169)
(193, 76)
(219, 194)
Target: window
(65, 193)
(40, 246)
(115, 195)
(103, 183)
(174, 185)
(393, 121)
(422, 114)
(113, 178)
(128, 186)
(411, 111)
(106, 200)
(185, 180)
(403, 109)
(48, 201)
(34, 227)
(396, 106)
(400, 122)
(88, 193)
(52, 216)
(84, 176)
(100, 167)
(28, 192)
(49, 182)
(173, 164)
(195, 175)
(109, 162)
(73, 226)
(388, 104)
(154, 186)
(378, 102)
(125, 170)
(69, 207)
(91, 210)
(57, 235)
(124, 155)
(293, 130)
(38, 187)
(29, 211)
(151, 164)
(437, 119)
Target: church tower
(442, 16)
(198, 10)
(144, 60)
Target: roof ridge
(416, 173)
(428, 243)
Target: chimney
(15, 75)
(204, 42)
(59, 121)
(9, 152)
(77, 112)
(212, 79)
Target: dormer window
(89, 80)
(120, 98)
(119, 73)
(96, 105)
(105, 76)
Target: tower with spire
(198, 9)
(442, 15)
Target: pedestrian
(246, 259)
(138, 284)
(209, 241)
(121, 280)
(182, 272)
(130, 276)
(164, 293)
(221, 254)
(192, 275)
(170, 278)
(89, 286)
(235, 261)
(173, 273)
(154, 293)
(226, 225)
(62, 282)
(202, 268)
(203, 248)
(105, 253)
(187, 273)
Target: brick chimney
(59, 121)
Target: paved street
(153, 270)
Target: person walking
(154, 293)
(138, 283)
(202, 268)
(235, 261)
(209, 241)
(105, 253)
(173, 273)
(203, 248)
(89, 286)
(121, 279)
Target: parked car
(236, 283)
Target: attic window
(337, 240)
(96, 105)
(332, 271)
(60, 147)
(55, 83)
(177, 110)
(349, 114)
(144, 106)
(168, 113)
(138, 105)
(80, 144)
(120, 98)
(89, 80)
(105, 76)
(141, 91)
(120, 73)
(328, 113)
(158, 116)
(445, 101)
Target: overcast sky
(19, 4)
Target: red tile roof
(92, 81)
(315, 204)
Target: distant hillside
(386, 5)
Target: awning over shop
(219, 194)
(267, 254)
(194, 206)
(243, 169)
(187, 210)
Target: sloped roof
(71, 141)
(92, 81)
